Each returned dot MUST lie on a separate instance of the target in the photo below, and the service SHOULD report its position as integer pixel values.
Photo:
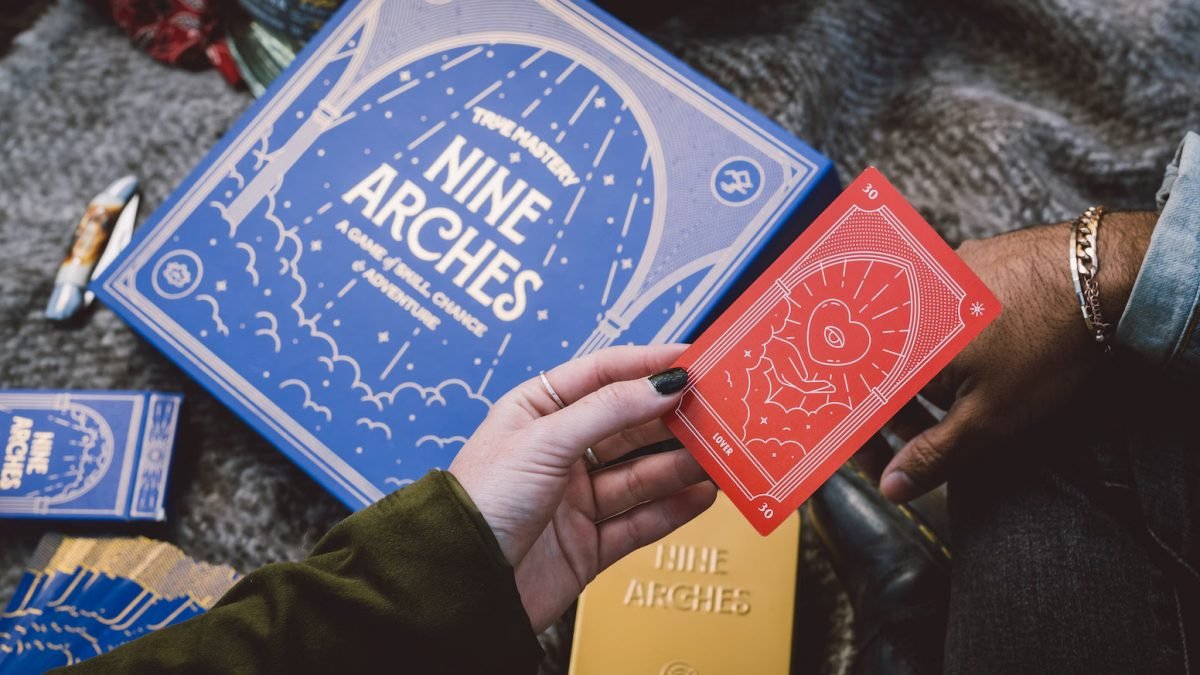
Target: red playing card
(841, 331)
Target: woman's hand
(1030, 360)
(558, 525)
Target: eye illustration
(834, 337)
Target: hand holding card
(845, 327)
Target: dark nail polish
(669, 381)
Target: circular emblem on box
(678, 668)
(177, 274)
(737, 181)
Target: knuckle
(614, 398)
(520, 395)
(609, 362)
(541, 445)
(633, 529)
(529, 396)
(635, 485)
(630, 439)
(669, 517)
(925, 456)
(601, 360)
(596, 367)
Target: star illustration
(977, 309)
(222, 286)
(383, 336)
(762, 420)
(746, 352)
(599, 102)
(315, 245)
(543, 314)
(514, 157)
(405, 76)
(626, 263)
(608, 179)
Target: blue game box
(441, 198)
(100, 455)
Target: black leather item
(895, 571)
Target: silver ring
(589, 455)
(592, 460)
(550, 390)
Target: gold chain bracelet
(1085, 266)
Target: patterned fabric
(987, 115)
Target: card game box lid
(439, 199)
(711, 597)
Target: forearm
(1030, 271)
(414, 583)
(1125, 237)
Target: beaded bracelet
(1085, 265)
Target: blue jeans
(1077, 548)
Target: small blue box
(99, 455)
(441, 198)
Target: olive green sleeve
(413, 584)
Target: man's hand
(558, 525)
(1032, 358)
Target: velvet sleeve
(413, 584)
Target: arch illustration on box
(313, 320)
(87, 462)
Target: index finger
(612, 409)
(579, 377)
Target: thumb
(922, 464)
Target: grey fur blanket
(987, 115)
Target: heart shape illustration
(834, 337)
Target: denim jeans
(1077, 547)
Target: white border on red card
(783, 487)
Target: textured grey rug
(987, 115)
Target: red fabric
(185, 33)
(219, 55)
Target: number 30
(870, 191)
(768, 513)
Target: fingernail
(898, 487)
(669, 381)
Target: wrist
(1121, 242)
(477, 506)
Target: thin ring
(550, 390)
(589, 455)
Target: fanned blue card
(439, 199)
(81, 597)
(86, 454)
